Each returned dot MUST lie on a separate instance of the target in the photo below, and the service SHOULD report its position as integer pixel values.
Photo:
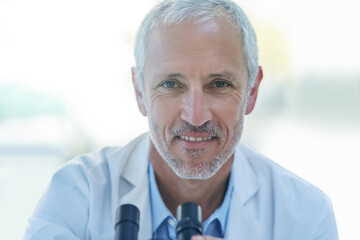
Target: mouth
(195, 139)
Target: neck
(174, 190)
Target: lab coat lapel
(139, 196)
(242, 223)
(135, 174)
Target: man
(196, 77)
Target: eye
(169, 84)
(221, 84)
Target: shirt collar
(222, 212)
(160, 212)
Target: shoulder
(85, 185)
(283, 204)
(287, 196)
(277, 177)
(103, 162)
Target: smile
(195, 139)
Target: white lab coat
(268, 202)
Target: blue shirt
(164, 223)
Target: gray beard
(184, 171)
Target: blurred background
(65, 89)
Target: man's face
(195, 80)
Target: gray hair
(175, 11)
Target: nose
(196, 107)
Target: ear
(254, 92)
(140, 98)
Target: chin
(198, 171)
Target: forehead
(216, 43)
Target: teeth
(195, 139)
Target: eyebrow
(176, 75)
(227, 75)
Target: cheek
(164, 111)
(229, 112)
